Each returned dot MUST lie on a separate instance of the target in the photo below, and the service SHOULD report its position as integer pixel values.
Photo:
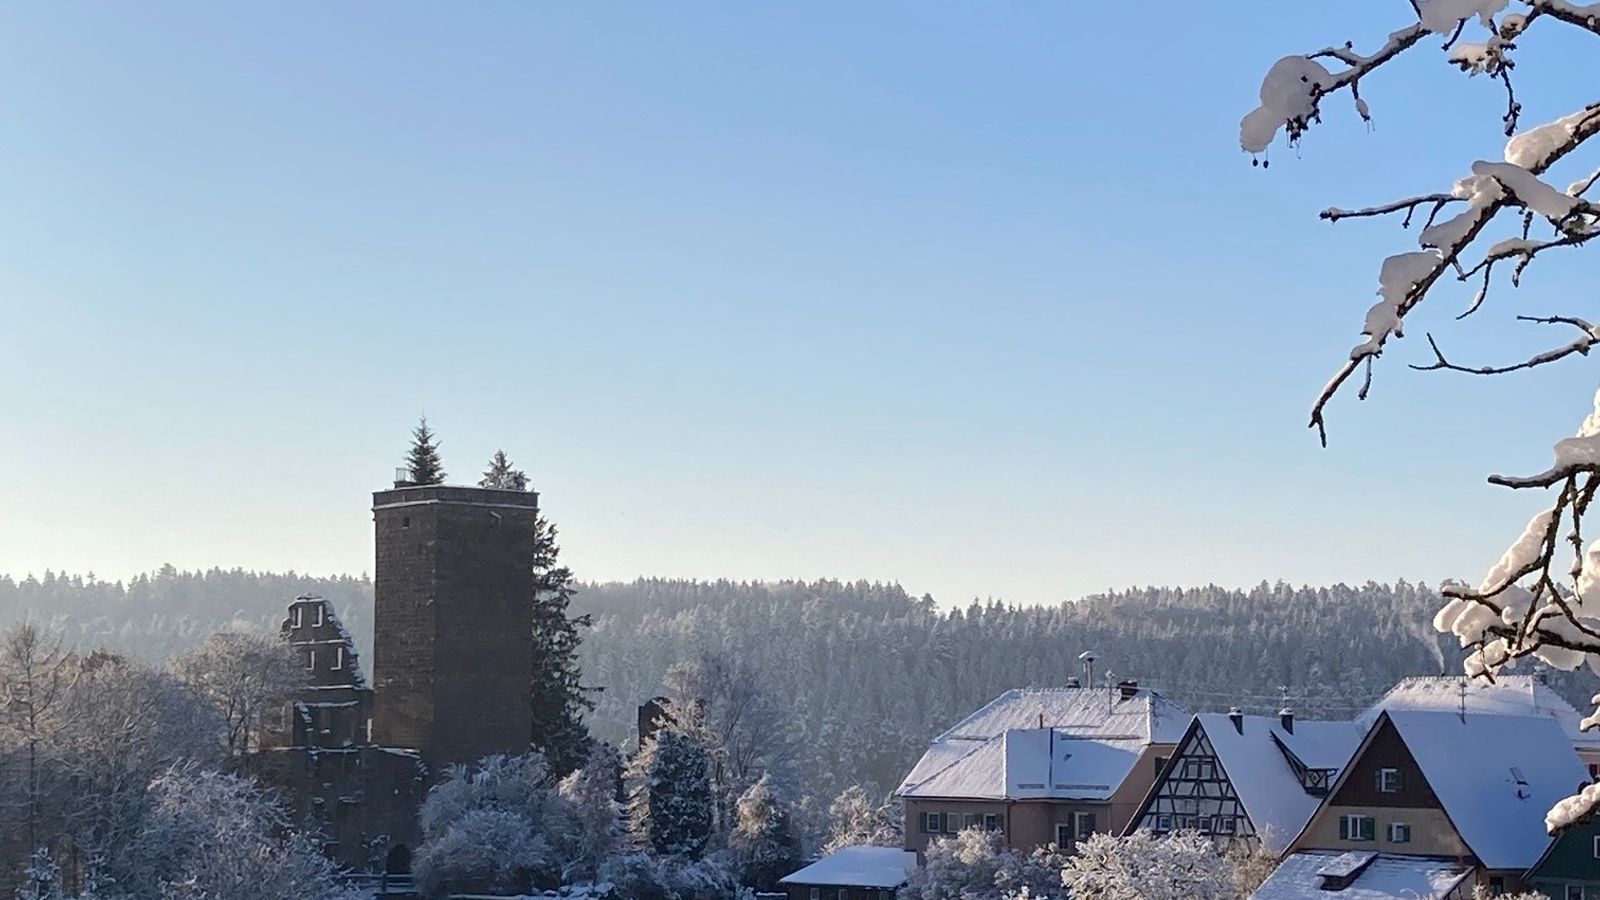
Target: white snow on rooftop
(1301, 876)
(863, 867)
(1512, 695)
(1261, 775)
(1496, 777)
(1089, 741)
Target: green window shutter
(1369, 828)
(1344, 828)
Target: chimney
(1088, 657)
(1127, 689)
(1237, 718)
(1286, 719)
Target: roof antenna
(1462, 685)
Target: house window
(952, 823)
(311, 660)
(338, 658)
(1399, 833)
(930, 824)
(1357, 828)
(1083, 824)
(1183, 823)
(1063, 835)
(991, 822)
(1203, 825)
(1574, 892)
(816, 893)
(1163, 824)
(1597, 847)
(1497, 884)
(1388, 781)
(970, 820)
(405, 522)
(319, 615)
(294, 617)
(1226, 825)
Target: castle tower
(453, 637)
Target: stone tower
(453, 636)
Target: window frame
(1163, 823)
(1078, 818)
(991, 822)
(930, 822)
(295, 616)
(311, 659)
(338, 659)
(1064, 835)
(816, 893)
(322, 614)
(1385, 785)
(970, 820)
(1397, 828)
(1358, 828)
(1574, 887)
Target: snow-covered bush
(671, 809)
(639, 876)
(509, 803)
(977, 865)
(483, 850)
(1499, 218)
(591, 794)
(1142, 866)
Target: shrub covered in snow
(1143, 866)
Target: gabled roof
(1144, 715)
(1495, 777)
(972, 758)
(1509, 695)
(1301, 876)
(864, 867)
(1263, 777)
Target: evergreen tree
(559, 698)
(423, 459)
(669, 783)
(501, 476)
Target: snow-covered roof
(1496, 777)
(972, 758)
(1378, 877)
(1267, 785)
(1511, 695)
(1033, 764)
(863, 867)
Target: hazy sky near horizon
(982, 299)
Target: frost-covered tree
(422, 460)
(35, 674)
(724, 705)
(591, 793)
(763, 839)
(510, 802)
(240, 675)
(1502, 214)
(977, 865)
(501, 475)
(560, 699)
(1143, 866)
(856, 819)
(669, 795)
(210, 835)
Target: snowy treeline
(116, 778)
(870, 674)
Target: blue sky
(983, 299)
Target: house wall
(1431, 832)
(1571, 860)
(1026, 824)
(1130, 794)
(917, 840)
(825, 892)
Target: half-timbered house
(1248, 780)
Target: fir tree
(423, 459)
(501, 476)
(670, 804)
(560, 699)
